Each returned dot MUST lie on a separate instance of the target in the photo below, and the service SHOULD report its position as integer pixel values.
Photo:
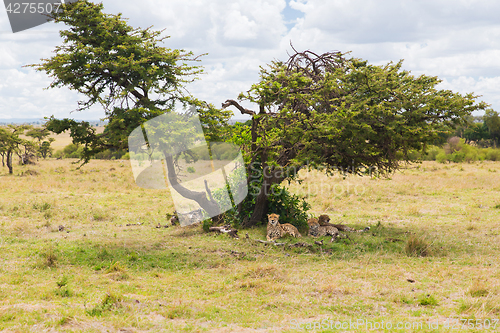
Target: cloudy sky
(456, 40)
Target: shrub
(418, 247)
(457, 157)
(426, 300)
(58, 154)
(109, 302)
(110, 154)
(432, 152)
(48, 258)
(441, 157)
(414, 155)
(493, 154)
(290, 207)
(71, 149)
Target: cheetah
(317, 230)
(276, 230)
(324, 220)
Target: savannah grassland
(110, 269)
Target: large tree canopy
(341, 113)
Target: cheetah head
(313, 224)
(313, 221)
(273, 219)
(324, 218)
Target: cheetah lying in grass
(322, 227)
(317, 230)
(276, 230)
(324, 220)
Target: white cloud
(457, 40)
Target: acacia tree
(341, 114)
(128, 72)
(43, 146)
(11, 143)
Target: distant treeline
(456, 150)
(482, 131)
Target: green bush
(493, 154)
(110, 154)
(58, 154)
(290, 207)
(432, 152)
(441, 157)
(414, 155)
(457, 151)
(70, 151)
(470, 153)
(457, 157)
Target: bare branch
(232, 102)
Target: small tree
(340, 114)
(492, 122)
(43, 146)
(11, 143)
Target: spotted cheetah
(276, 230)
(317, 230)
(324, 220)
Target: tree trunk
(261, 202)
(210, 206)
(9, 161)
(260, 207)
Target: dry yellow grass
(96, 273)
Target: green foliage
(40, 134)
(62, 287)
(42, 207)
(109, 302)
(492, 122)
(432, 153)
(457, 151)
(11, 143)
(290, 207)
(491, 154)
(353, 115)
(343, 114)
(107, 60)
(48, 258)
(427, 300)
(113, 64)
